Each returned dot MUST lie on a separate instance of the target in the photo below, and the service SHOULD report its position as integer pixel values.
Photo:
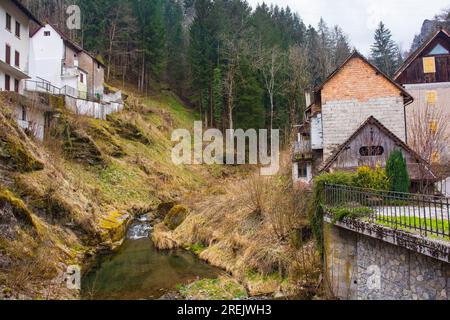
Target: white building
(15, 22)
(54, 63)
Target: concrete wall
(362, 267)
(91, 109)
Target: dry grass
(256, 226)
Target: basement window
(302, 171)
(372, 151)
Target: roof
(419, 50)
(69, 42)
(356, 54)
(27, 12)
(414, 169)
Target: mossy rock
(14, 153)
(164, 208)
(16, 206)
(114, 226)
(175, 217)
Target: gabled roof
(419, 50)
(27, 12)
(69, 42)
(372, 121)
(355, 54)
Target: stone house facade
(353, 93)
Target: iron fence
(427, 215)
(44, 86)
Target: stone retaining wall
(372, 266)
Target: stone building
(354, 92)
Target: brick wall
(352, 96)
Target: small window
(16, 85)
(24, 114)
(429, 65)
(7, 82)
(82, 78)
(17, 29)
(434, 126)
(47, 33)
(431, 97)
(437, 50)
(8, 22)
(8, 54)
(17, 59)
(302, 171)
(372, 151)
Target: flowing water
(139, 271)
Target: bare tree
(429, 132)
(270, 62)
(296, 82)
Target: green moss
(15, 154)
(357, 212)
(214, 289)
(197, 248)
(164, 208)
(175, 217)
(20, 210)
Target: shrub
(397, 171)
(367, 177)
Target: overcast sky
(359, 18)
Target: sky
(359, 18)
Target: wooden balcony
(302, 150)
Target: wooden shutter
(8, 54)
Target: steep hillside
(61, 199)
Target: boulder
(175, 217)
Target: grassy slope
(76, 205)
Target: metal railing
(302, 149)
(424, 214)
(44, 86)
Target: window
(435, 157)
(46, 33)
(372, 151)
(8, 22)
(302, 171)
(429, 65)
(431, 97)
(17, 29)
(7, 82)
(81, 77)
(24, 114)
(16, 85)
(17, 59)
(433, 126)
(8, 54)
(438, 49)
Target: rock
(175, 217)
(164, 208)
(114, 226)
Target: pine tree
(397, 171)
(384, 52)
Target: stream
(139, 271)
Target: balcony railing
(43, 86)
(426, 215)
(302, 150)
